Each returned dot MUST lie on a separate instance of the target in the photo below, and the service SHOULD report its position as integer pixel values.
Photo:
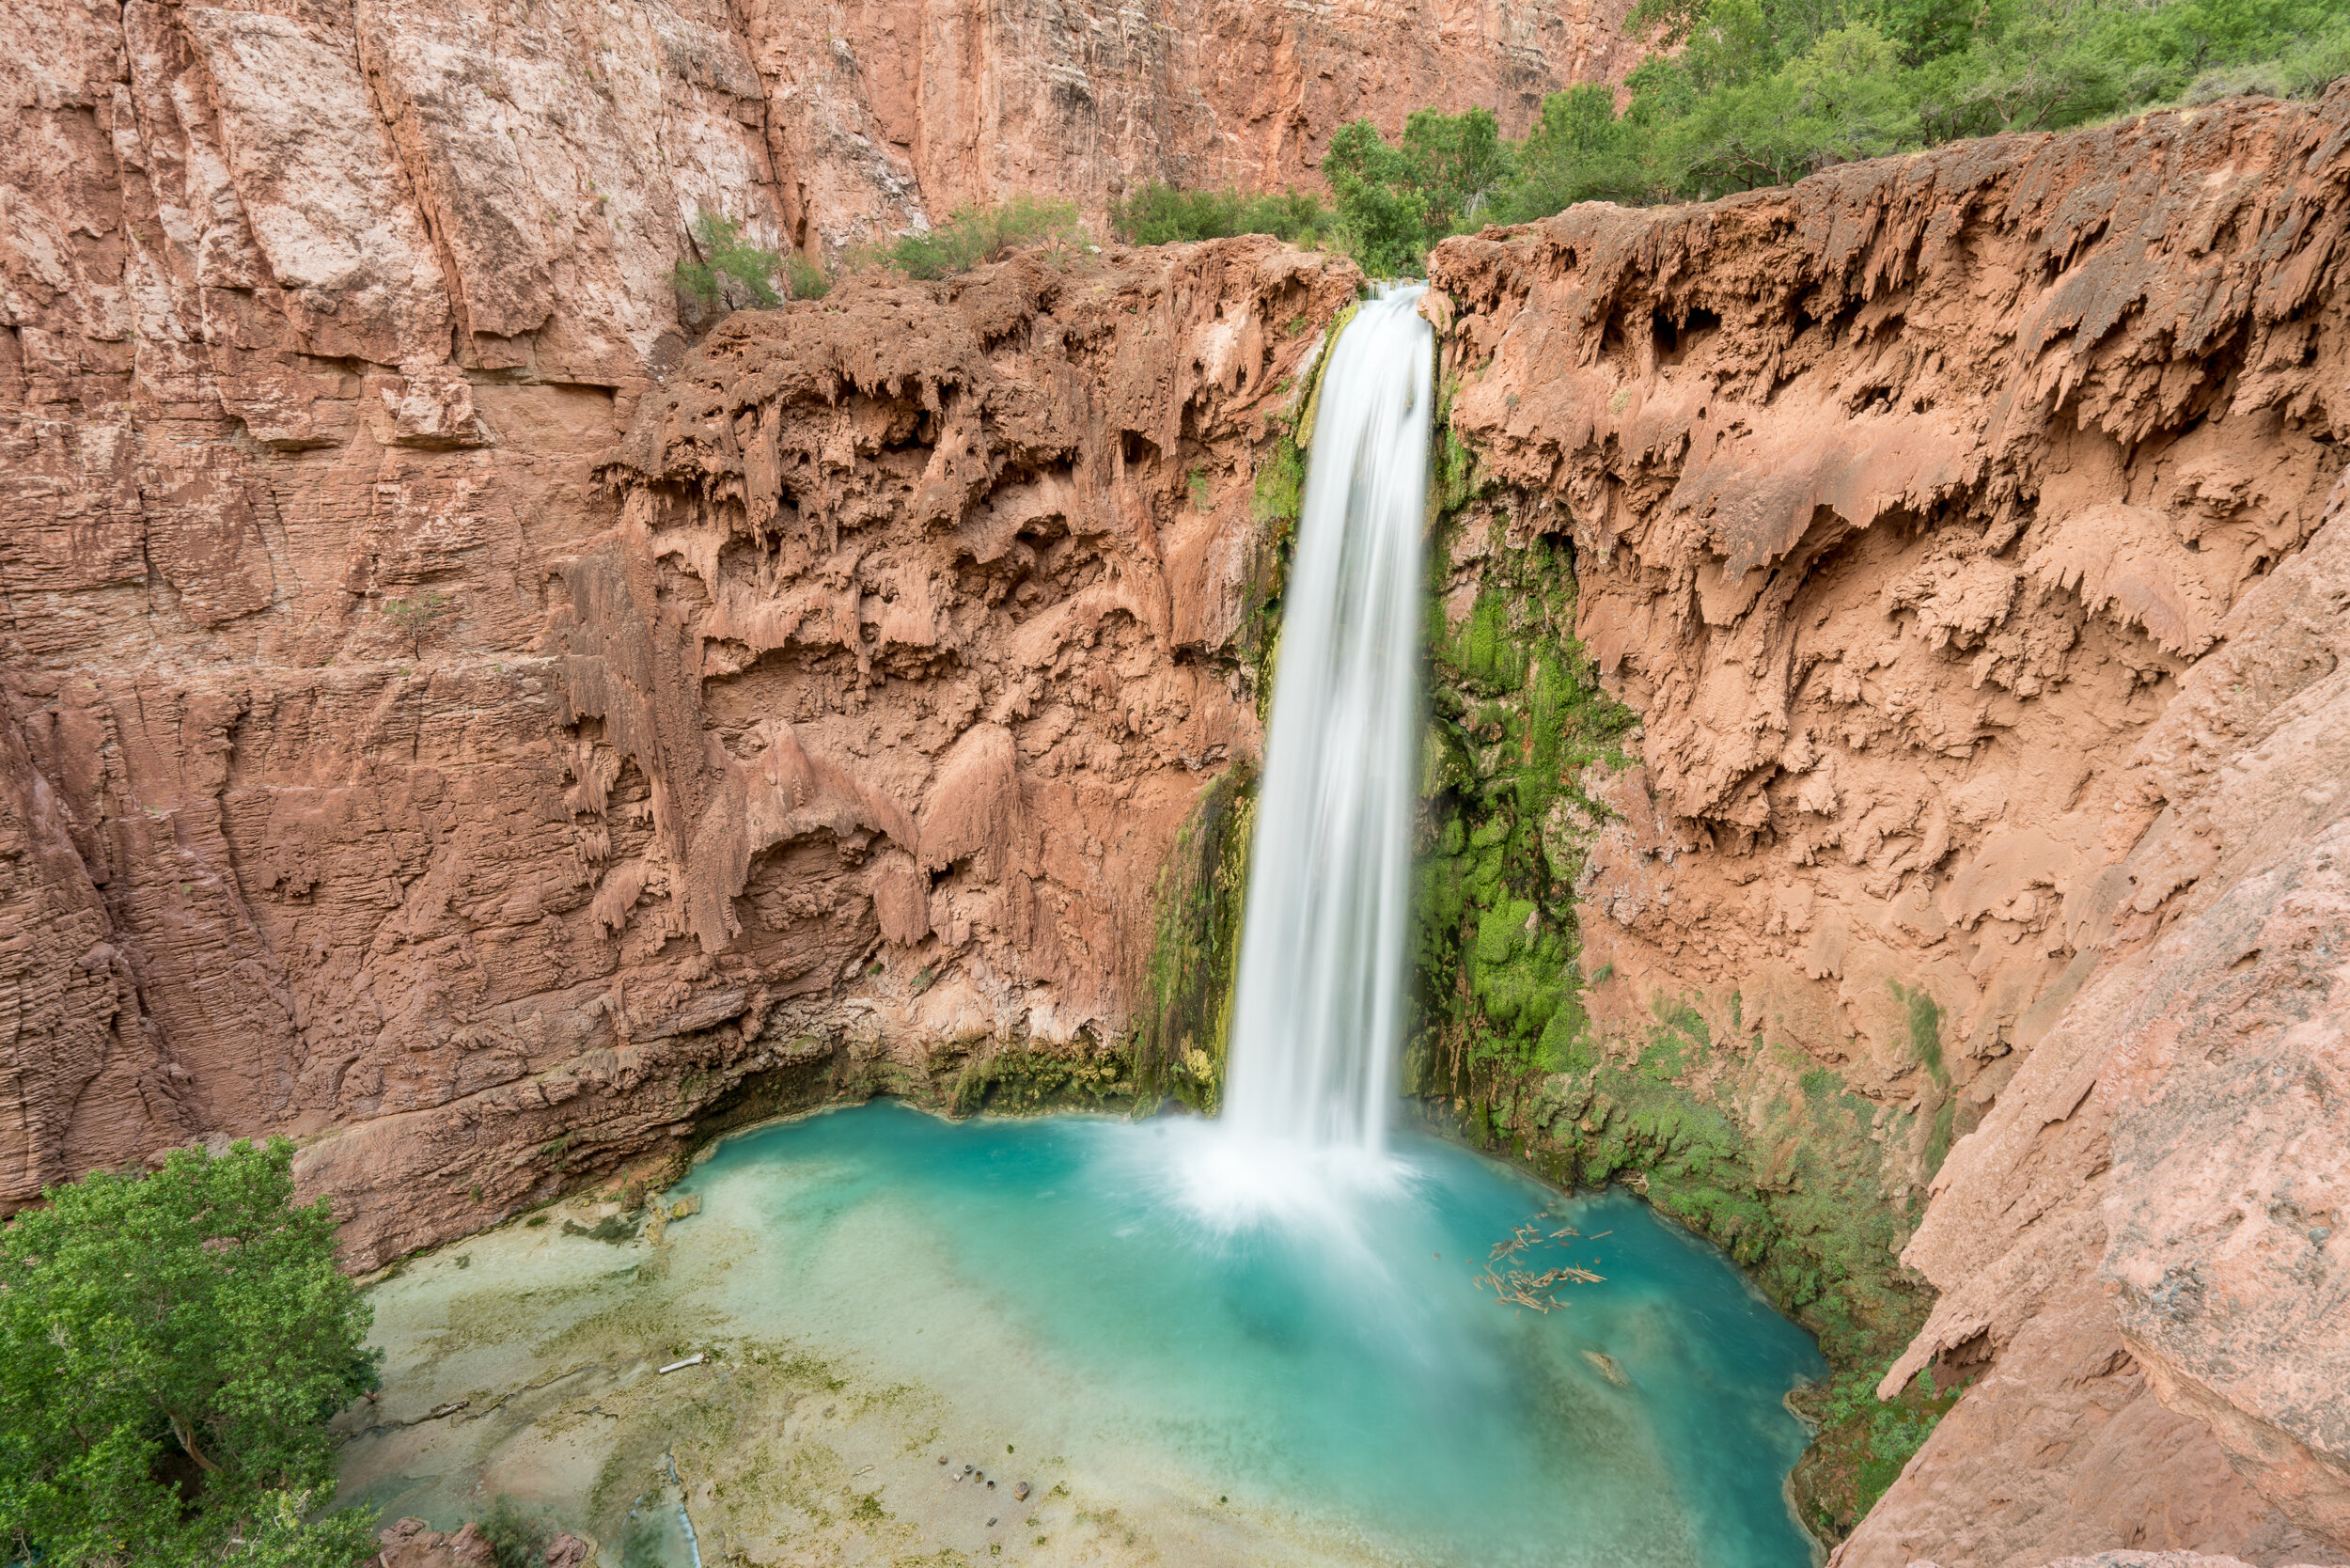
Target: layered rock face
(943, 103)
(319, 320)
(448, 723)
(1969, 531)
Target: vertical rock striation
(1966, 530)
(881, 112)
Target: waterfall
(1318, 1016)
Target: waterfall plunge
(1318, 1017)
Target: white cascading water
(1318, 1017)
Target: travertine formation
(862, 718)
(1969, 531)
(319, 320)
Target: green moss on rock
(1179, 1043)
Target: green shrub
(1159, 215)
(973, 236)
(731, 266)
(171, 1347)
(805, 278)
(517, 1539)
(1863, 1444)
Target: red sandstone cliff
(1970, 531)
(940, 102)
(320, 313)
(864, 724)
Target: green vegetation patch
(1159, 215)
(973, 236)
(1194, 950)
(1517, 719)
(171, 1347)
(1736, 94)
(1795, 1197)
(1862, 1445)
(1025, 1079)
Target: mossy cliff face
(1756, 1146)
(1752, 1143)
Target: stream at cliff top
(1038, 1300)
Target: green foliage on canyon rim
(1159, 213)
(171, 1347)
(973, 236)
(1736, 94)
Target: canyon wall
(454, 721)
(358, 779)
(946, 103)
(1970, 533)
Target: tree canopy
(1736, 94)
(171, 1347)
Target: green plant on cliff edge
(1862, 1445)
(1159, 213)
(417, 615)
(733, 273)
(171, 1347)
(975, 235)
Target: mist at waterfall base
(1338, 1376)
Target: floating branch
(1532, 1287)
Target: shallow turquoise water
(1335, 1371)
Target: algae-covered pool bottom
(1066, 1303)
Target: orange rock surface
(881, 111)
(1968, 531)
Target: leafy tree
(1739, 93)
(1395, 201)
(1579, 150)
(171, 1347)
